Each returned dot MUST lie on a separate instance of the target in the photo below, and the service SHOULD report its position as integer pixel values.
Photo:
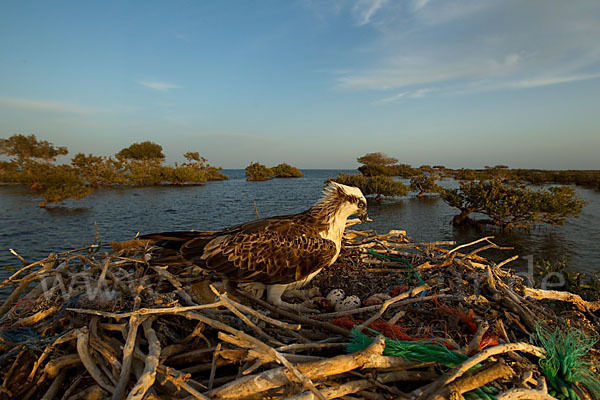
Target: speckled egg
(349, 303)
(336, 295)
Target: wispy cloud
(404, 71)
(552, 80)
(470, 45)
(393, 99)
(416, 94)
(160, 86)
(365, 9)
(418, 4)
(44, 106)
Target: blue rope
(28, 337)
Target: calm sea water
(122, 212)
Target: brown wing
(261, 256)
(174, 240)
(289, 225)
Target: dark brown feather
(276, 250)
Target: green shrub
(376, 159)
(258, 172)
(9, 172)
(423, 184)
(511, 206)
(142, 151)
(211, 173)
(182, 174)
(375, 185)
(284, 170)
(98, 170)
(24, 149)
(56, 183)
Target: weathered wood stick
(189, 356)
(489, 246)
(145, 311)
(358, 385)
(480, 378)
(510, 259)
(454, 373)
(11, 278)
(231, 307)
(162, 271)
(54, 366)
(134, 323)
(146, 381)
(308, 346)
(178, 379)
(389, 302)
(469, 244)
(475, 342)
(109, 355)
(72, 387)
(575, 299)
(12, 368)
(524, 394)
(93, 392)
(88, 362)
(296, 317)
(68, 336)
(55, 386)
(213, 367)
(16, 294)
(38, 316)
(272, 321)
(277, 377)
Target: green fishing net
(565, 362)
(421, 351)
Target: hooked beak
(363, 216)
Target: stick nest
(96, 324)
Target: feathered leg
(274, 293)
(302, 294)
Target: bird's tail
(166, 249)
(174, 240)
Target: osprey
(283, 252)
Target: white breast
(334, 233)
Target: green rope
(565, 361)
(421, 351)
(402, 260)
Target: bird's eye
(361, 204)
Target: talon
(306, 307)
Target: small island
(31, 163)
(259, 172)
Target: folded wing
(261, 256)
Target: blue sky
(312, 83)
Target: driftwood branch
(576, 300)
(362, 384)
(134, 323)
(274, 378)
(524, 394)
(478, 358)
(393, 300)
(88, 362)
(146, 381)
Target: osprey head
(347, 200)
